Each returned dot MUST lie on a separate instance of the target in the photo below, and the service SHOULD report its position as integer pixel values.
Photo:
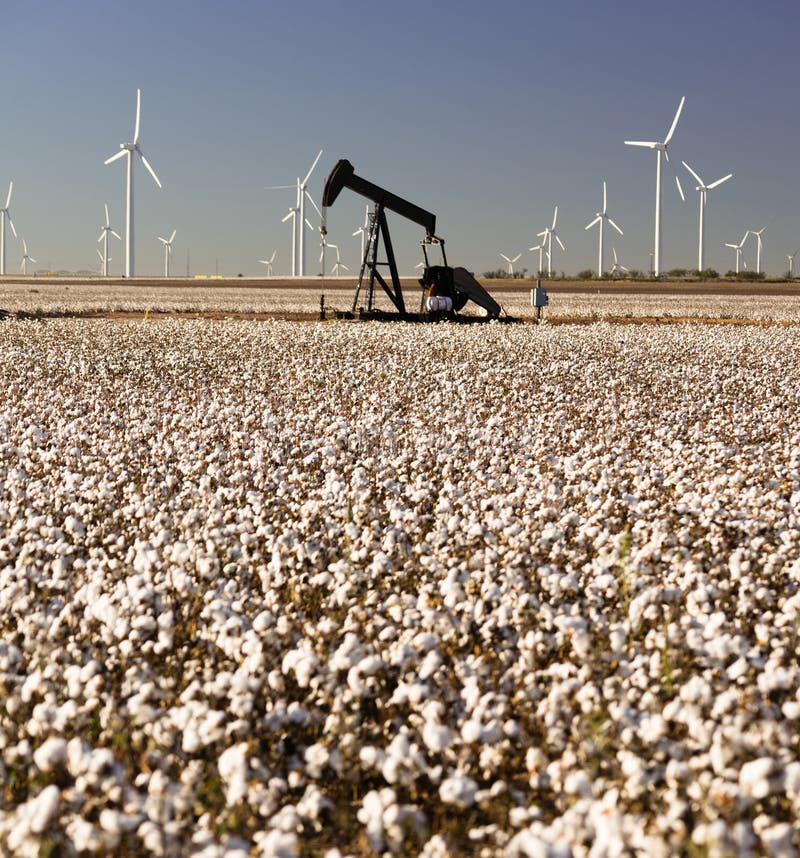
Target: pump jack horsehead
(446, 290)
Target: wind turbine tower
(602, 216)
(167, 250)
(703, 189)
(661, 149)
(129, 149)
(5, 215)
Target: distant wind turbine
(298, 235)
(511, 263)
(26, 257)
(338, 264)
(790, 259)
(268, 263)
(167, 250)
(547, 235)
(738, 248)
(363, 230)
(661, 148)
(540, 248)
(602, 216)
(617, 266)
(128, 149)
(758, 233)
(104, 257)
(703, 189)
(5, 214)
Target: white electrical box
(539, 297)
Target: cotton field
(288, 589)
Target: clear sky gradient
(487, 114)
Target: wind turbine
(790, 259)
(540, 248)
(298, 235)
(167, 250)
(26, 257)
(103, 263)
(703, 189)
(602, 216)
(268, 263)
(511, 263)
(338, 264)
(104, 257)
(547, 235)
(738, 248)
(617, 266)
(5, 214)
(758, 234)
(362, 230)
(661, 148)
(128, 149)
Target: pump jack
(445, 290)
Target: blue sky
(486, 114)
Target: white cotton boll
(316, 758)
(471, 731)
(42, 810)
(458, 790)
(277, 844)
(74, 527)
(436, 737)
(233, 767)
(50, 754)
(754, 777)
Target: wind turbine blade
(8, 198)
(342, 265)
(604, 197)
(116, 234)
(108, 222)
(172, 237)
(272, 258)
(162, 240)
(31, 259)
(149, 168)
(674, 173)
(555, 217)
(734, 246)
(596, 220)
(542, 234)
(280, 187)
(138, 113)
(311, 200)
(641, 143)
(699, 180)
(560, 242)
(720, 181)
(288, 215)
(675, 121)
(358, 231)
(24, 247)
(616, 227)
(311, 170)
(11, 224)
(102, 233)
(538, 247)
(516, 257)
(116, 157)
(309, 224)
(614, 251)
(505, 257)
(100, 255)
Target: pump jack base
(362, 315)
